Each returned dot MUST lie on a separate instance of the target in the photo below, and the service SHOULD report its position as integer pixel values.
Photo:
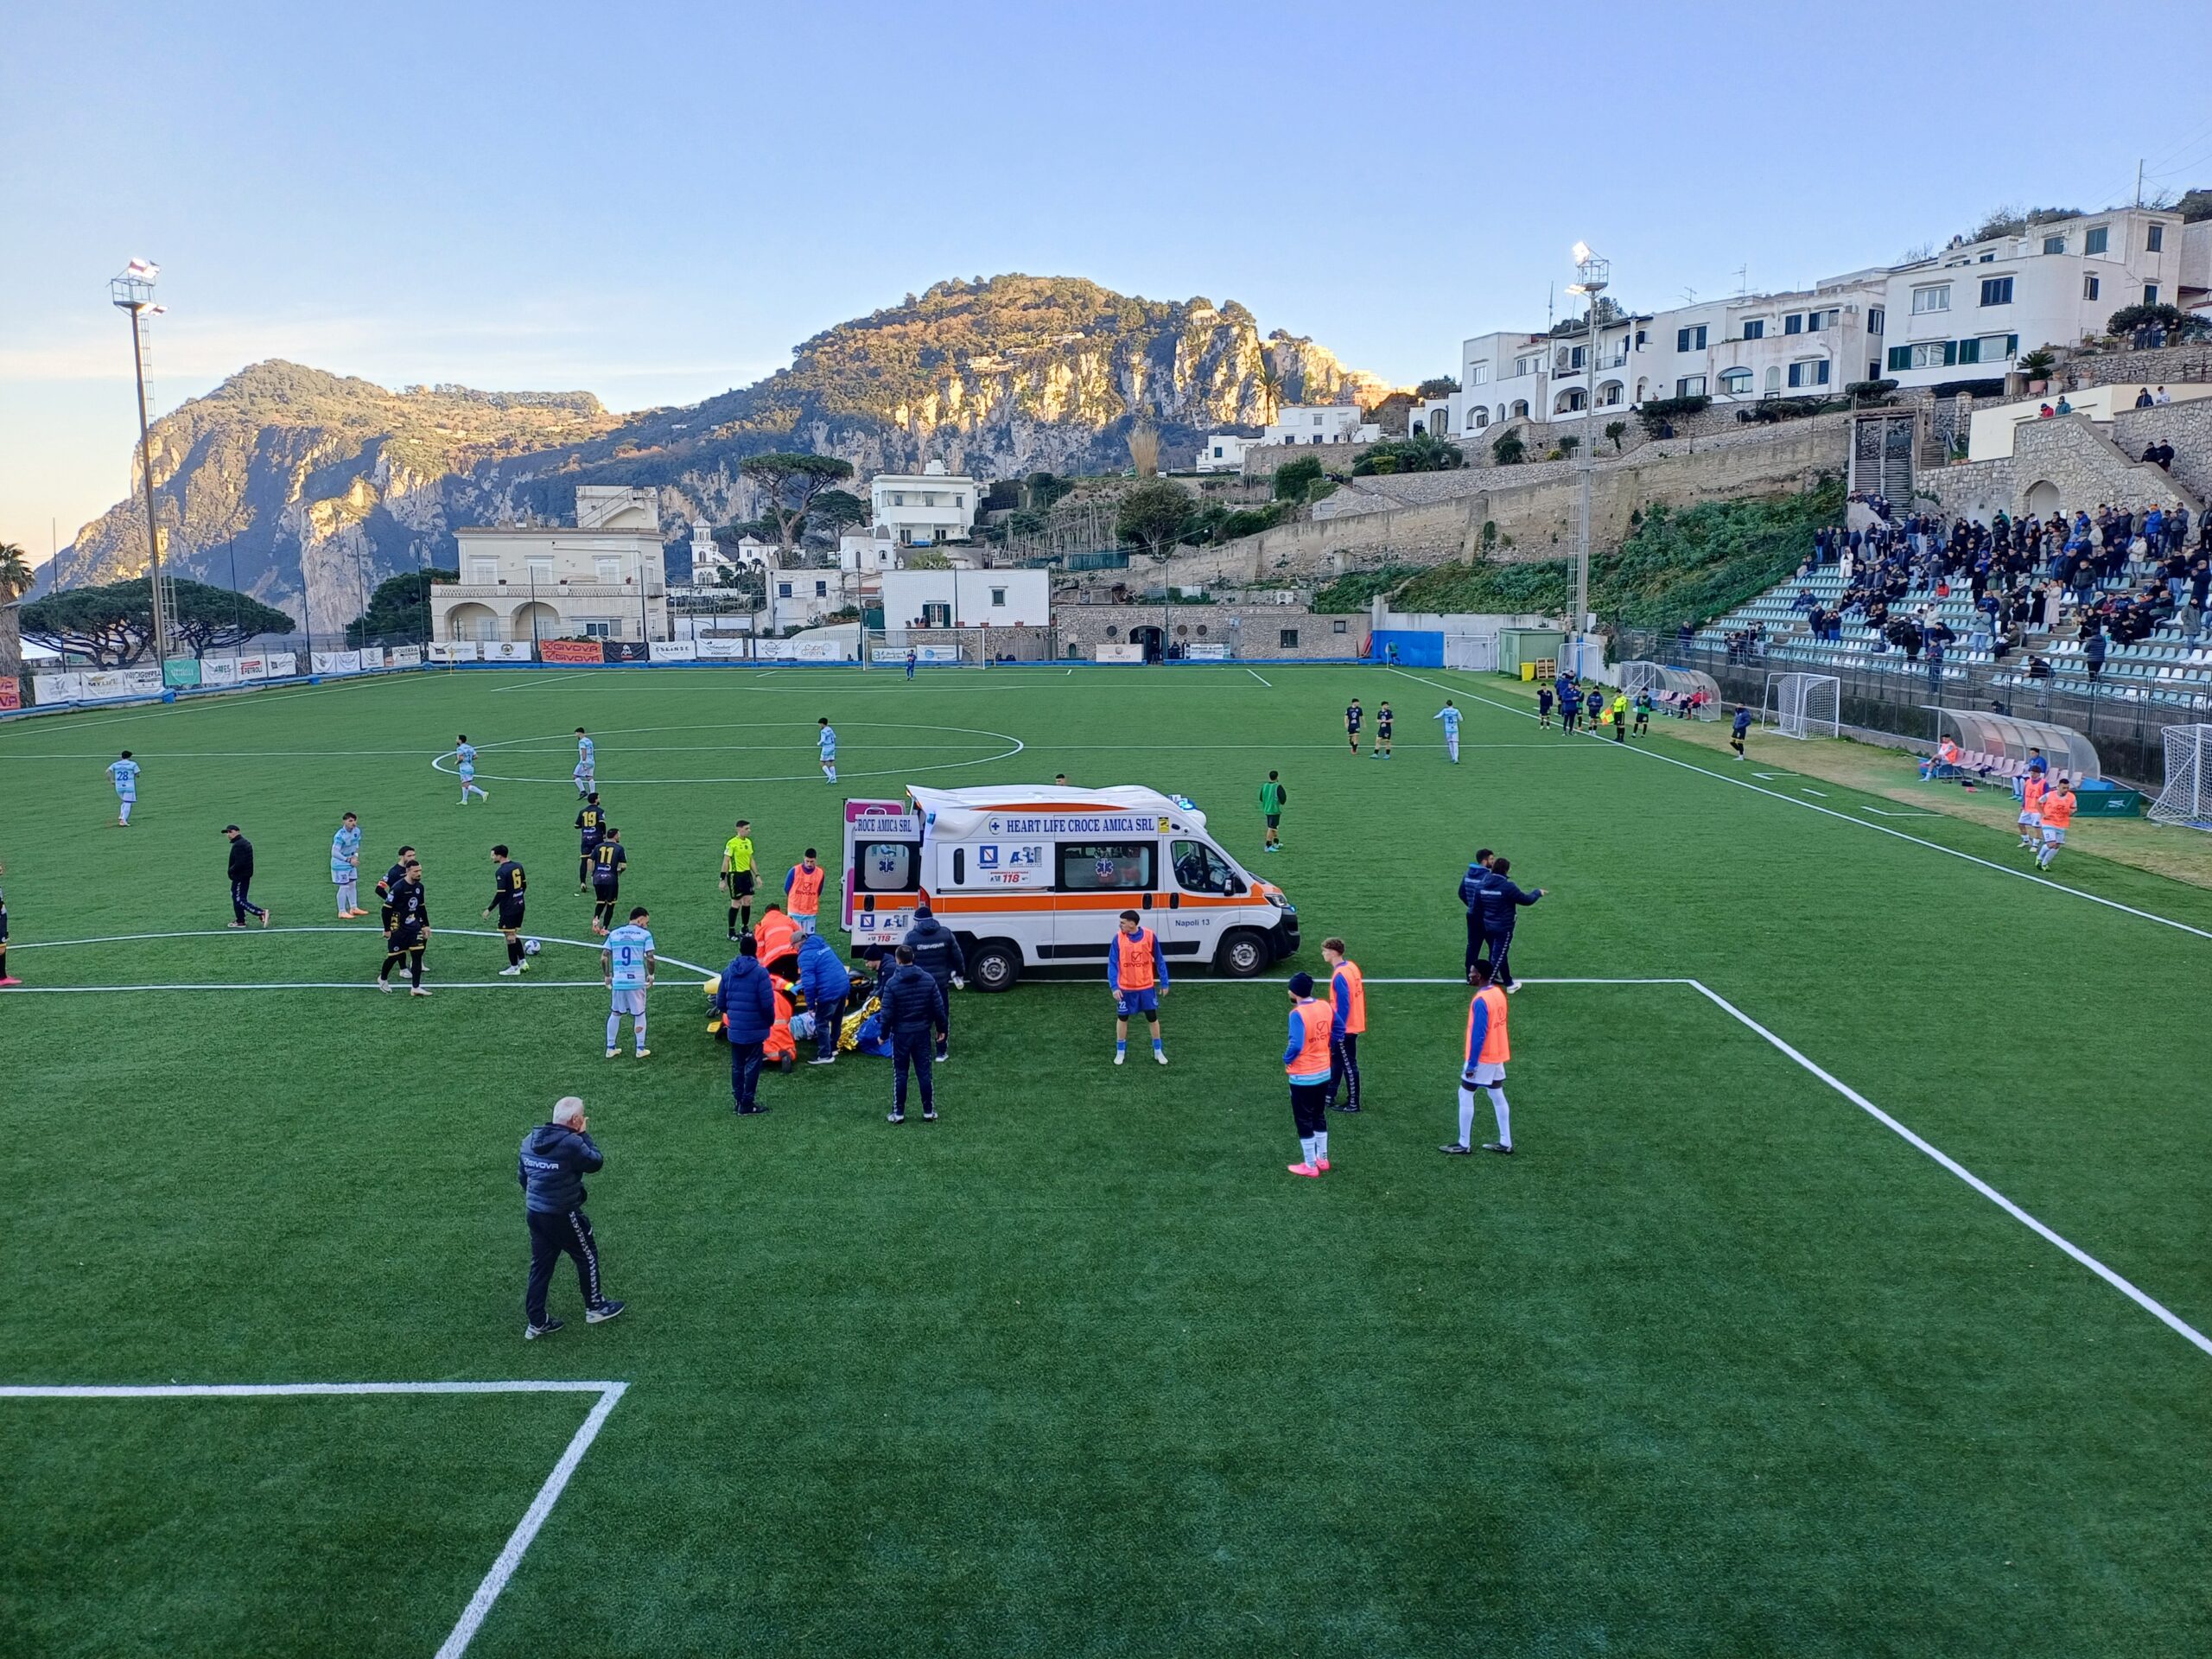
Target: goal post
(1805, 705)
(2187, 797)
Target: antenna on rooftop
(1689, 296)
(1743, 280)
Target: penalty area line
(526, 1529)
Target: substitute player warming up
(1487, 1053)
(1306, 1062)
(1136, 972)
(1347, 1022)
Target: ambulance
(1035, 880)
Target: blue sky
(656, 203)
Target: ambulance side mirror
(1235, 887)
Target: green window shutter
(1900, 357)
(1951, 353)
(2011, 345)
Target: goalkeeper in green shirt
(1272, 796)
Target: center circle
(446, 763)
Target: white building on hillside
(1320, 423)
(967, 598)
(922, 509)
(603, 578)
(1223, 452)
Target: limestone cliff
(321, 486)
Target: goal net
(2187, 797)
(1805, 705)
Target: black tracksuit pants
(911, 1048)
(554, 1234)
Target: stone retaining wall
(1257, 635)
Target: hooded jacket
(746, 1001)
(554, 1161)
(822, 977)
(937, 952)
(911, 1001)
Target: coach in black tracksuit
(937, 953)
(1501, 901)
(555, 1159)
(241, 871)
(1470, 894)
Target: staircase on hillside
(1882, 455)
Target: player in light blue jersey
(346, 867)
(626, 962)
(1450, 716)
(827, 738)
(125, 774)
(587, 766)
(464, 761)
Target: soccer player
(124, 772)
(1543, 708)
(1305, 1059)
(803, 891)
(1450, 716)
(1642, 713)
(586, 767)
(1383, 731)
(391, 878)
(1272, 796)
(911, 660)
(2032, 789)
(1136, 973)
(1484, 1068)
(2058, 805)
(508, 887)
(1736, 730)
(626, 962)
(346, 867)
(738, 876)
(1354, 717)
(591, 830)
(241, 874)
(408, 935)
(464, 761)
(826, 740)
(6, 978)
(1501, 901)
(1347, 1021)
(608, 859)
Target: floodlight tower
(133, 294)
(1591, 277)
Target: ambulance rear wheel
(1243, 954)
(994, 966)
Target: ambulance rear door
(883, 872)
(995, 883)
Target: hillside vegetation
(1681, 565)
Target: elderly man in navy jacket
(555, 1159)
(746, 998)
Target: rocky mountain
(318, 488)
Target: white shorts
(1484, 1073)
(2029, 820)
(630, 1002)
(2053, 835)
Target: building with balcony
(602, 578)
(923, 509)
(1322, 423)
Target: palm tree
(15, 577)
(1270, 388)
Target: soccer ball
(531, 947)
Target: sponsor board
(453, 650)
(897, 654)
(219, 670)
(1117, 654)
(720, 651)
(506, 651)
(337, 662)
(11, 694)
(182, 672)
(407, 656)
(671, 651)
(1207, 653)
(570, 651)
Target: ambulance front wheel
(1243, 954)
(994, 966)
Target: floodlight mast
(132, 293)
(1592, 276)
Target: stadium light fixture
(132, 293)
(1591, 277)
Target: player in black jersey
(407, 933)
(507, 885)
(1354, 718)
(1383, 731)
(608, 859)
(591, 830)
(391, 878)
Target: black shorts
(740, 884)
(409, 938)
(510, 916)
(606, 893)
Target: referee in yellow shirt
(737, 877)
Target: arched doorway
(2041, 499)
(534, 619)
(471, 622)
(1150, 639)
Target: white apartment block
(1321, 423)
(1223, 452)
(601, 579)
(922, 509)
(967, 598)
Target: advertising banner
(1207, 653)
(180, 672)
(337, 662)
(407, 656)
(11, 694)
(122, 682)
(820, 650)
(720, 651)
(453, 650)
(219, 670)
(896, 655)
(50, 689)
(672, 650)
(1117, 654)
(279, 665)
(506, 651)
(570, 651)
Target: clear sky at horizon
(656, 204)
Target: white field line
(2148, 1304)
(518, 1542)
(1844, 818)
(1253, 672)
(550, 679)
(228, 932)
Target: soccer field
(1842, 1297)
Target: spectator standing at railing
(2093, 648)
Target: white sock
(1321, 1145)
(638, 1031)
(1504, 1115)
(613, 1029)
(1466, 1117)
(1306, 1142)
(125, 813)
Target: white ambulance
(1034, 878)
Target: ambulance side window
(888, 866)
(1108, 867)
(1199, 868)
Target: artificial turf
(1715, 1365)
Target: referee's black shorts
(740, 884)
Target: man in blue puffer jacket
(555, 1159)
(824, 983)
(746, 1001)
